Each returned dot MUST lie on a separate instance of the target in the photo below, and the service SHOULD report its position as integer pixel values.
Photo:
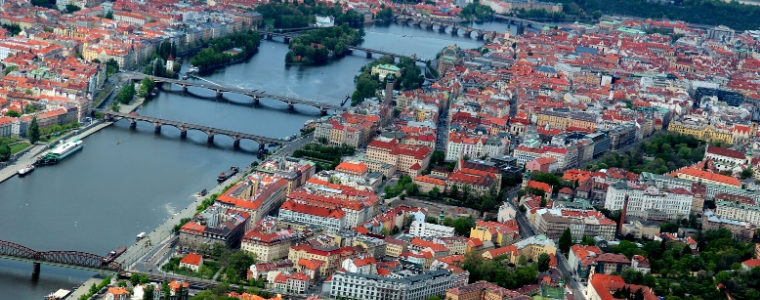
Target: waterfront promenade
(31, 156)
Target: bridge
(220, 89)
(428, 23)
(287, 36)
(519, 21)
(67, 259)
(184, 127)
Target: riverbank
(30, 156)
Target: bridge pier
(36, 270)
(454, 30)
(261, 145)
(236, 143)
(218, 95)
(369, 54)
(210, 139)
(287, 40)
(183, 134)
(480, 36)
(132, 124)
(255, 100)
(157, 128)
(268, 37)
(290, 106)
(323, 111)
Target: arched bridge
(184, 127)
(428, 23)
(68, 259)
(287, 36)
(220, 89)
(519, 21)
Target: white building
(725, 159)
(401, 285)
(737, 211)
(325, 21)
(424, 229)
(331, 219)
(675, 203)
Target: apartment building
(674, 203)
(331, 219)
(387, 156)
(270, 246)
(424, 229)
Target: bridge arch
(16, 250)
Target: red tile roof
(192, 259)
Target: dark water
(125, 182)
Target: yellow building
(533, 247)
(554, 119)
(384, 70)
(394, 247)
(268, 246)
(701, 130)
(500, 234)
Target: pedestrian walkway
(27, 159)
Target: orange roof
(358, 168)
(313, 210)
(192, 259)
(755, 262)
(311, 264)
(710, 176)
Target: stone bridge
(184, 127)
(428, 23)
(288, 36)
(255, 95)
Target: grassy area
(206, 271)
(50, 138)
(19, 147)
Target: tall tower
(388, 92)
(622, 216)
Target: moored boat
(26, 170)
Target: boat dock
(31, 156)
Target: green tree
(462, 226)
(433, 298)
(543, 262)
(5, 152)
(34, 131)
(109, 15)
(12, 114)
(748, 173)
(523, 260)
(565, 241)
(70, 8)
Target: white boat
(67, 148)
(60, 294)
(141, 236)
(28, 169)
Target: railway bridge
(67, 259)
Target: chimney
(622, 216)
(388, 92)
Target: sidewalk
(25, 160)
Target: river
(124, 182)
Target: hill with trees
(708, 12)
(303, 15)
